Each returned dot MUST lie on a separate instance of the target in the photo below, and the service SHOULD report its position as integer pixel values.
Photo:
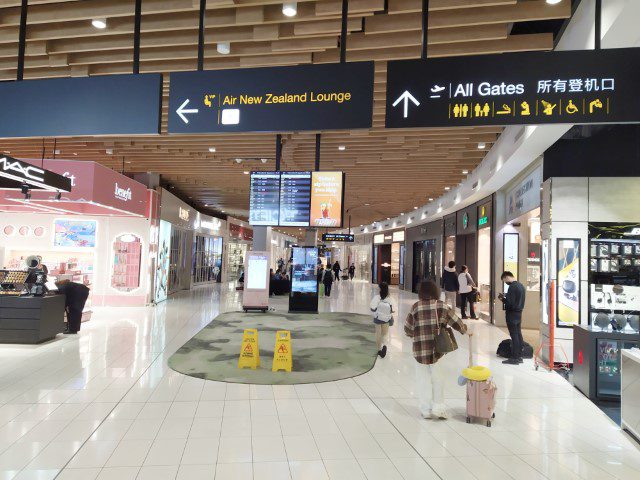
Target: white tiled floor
(104, 405)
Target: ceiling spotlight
(553, 2)
(264, 160)
(430, 199)
(290, 9)
(56, 151)
(109, 151)
(367, 204)
(465, 172)
(100, 23)
(447, 188)
(238, 161)
(224, 48)
(402, 213)
(415, 208)
(342, 148)
(482, 145)
(212, 149)
(246, 172)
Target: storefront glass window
(484, 272)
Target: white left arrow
(181, 111)
(405, 97)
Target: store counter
(631, 391)
(596, 360)
(31, 319)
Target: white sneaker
(441, 414)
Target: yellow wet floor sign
(282, 351)
(249, 352)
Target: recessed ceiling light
(264, 160)
(7, 152)
(465, 172)
(223, 48)
(388, 218)
(109, 151)
(56, 151)
(212, 149)
(238, 160)
(246, 172)
(402, 213)
(482, 146)
(75, 154)
(367, 204)
(415, 208)
(430, 199)
(100, 23)
(553, 2)
(342, 148)
(222, 211)
(447, 188)
(290, 9)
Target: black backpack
(504, 349)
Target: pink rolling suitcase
(481, 396)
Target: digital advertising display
(74, 233)
(295, 199)
(162, 262)
(524, 88)
(568, 295)
(264, 199)
(303, 275)
(327, 191)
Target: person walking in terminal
(467, 293)
(327, 280)
(352, 271)
(513, 302)
(382, 309)
(337, 270)
(450, 284)
(427, 316)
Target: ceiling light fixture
(342, 148)
(212, 149)
(553, 2)
(465, 172)
(100, 23)
(264, 160)
(415, 208)
(238, 160)
(246, 172)
(223, 48)
(447, 188)
(109, 151)
(290, 9)
(430, 199)
(482, 145)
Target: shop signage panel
(103, 105)
(338, 237)
(576, 87)
(525, 196)
(304, 97)
(14, 173)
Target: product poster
(326, 199)
(510, 255)
(545, 282)
(568, 296)
(74, 233)
(162, 265)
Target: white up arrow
(181, 111)
(406, 96)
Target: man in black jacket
(514, 304)
(76, 295)
(450, 284)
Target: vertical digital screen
(257, 272)
(568, 295)
(326, 199)
(295, 199)
(303, 274)
(264, 200)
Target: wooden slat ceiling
(388, 171)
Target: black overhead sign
(104, 105)
(305, 97)
(14, 174)
(337, 237)
(576, 87)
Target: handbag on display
(445, 342)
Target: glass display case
(127, 250)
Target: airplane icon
(436, 90)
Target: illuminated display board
(575, 87)
(295, 199)
(264, 199)
(327, 191)
(338, 237)
(304, 97)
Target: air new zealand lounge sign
(575, 87)
(304, 97)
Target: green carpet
(326, 347)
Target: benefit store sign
(576, 87)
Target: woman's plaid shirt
(422, 324)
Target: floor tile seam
(560, 466)
(99, 425)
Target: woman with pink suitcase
(429, 325)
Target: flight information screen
(264, 200)
(295, 199)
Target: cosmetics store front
(98, 234)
